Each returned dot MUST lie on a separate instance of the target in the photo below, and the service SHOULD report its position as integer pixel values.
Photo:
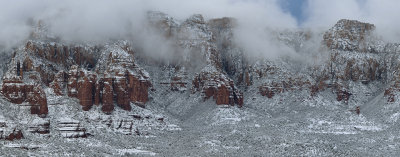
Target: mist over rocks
(123, 80)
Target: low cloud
(99, 20)
(383, 13)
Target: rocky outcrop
(125, 127)
(119, 86)
(59, 83)
(138, 89)
(357, 67)
(14, 90)
(36, 97)
(15, 135)
(70, 128)
(3, 126)
(73, 82)
(40, 126)
(179, 81)
(108, 74)
(178, 84)
(163, 23)
(72, 69)
(107, 97)
(8, 130)
(270, 89)
(350, 35)
(59, 53)
(392, 92)
(86, 86)
(215, 84)
(232, 59)
(122, 92)
(18, 92)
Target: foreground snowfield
(285, 125)
(183, 124)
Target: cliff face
(72, 71)
(357, 55)
(350, 35)
(207, 65)
(107, 74)
(200, 46)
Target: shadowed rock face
(215, 84)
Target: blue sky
(295, 8)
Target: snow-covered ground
(288, 124)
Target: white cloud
(94, 20)
(383, 13)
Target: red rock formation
(222, 95)
(85, 93)
(70, 128)
(58, 83)
(125, 126)
(348, 35)
(37, 98)
(15, 135)
(124, 83)
(390, 92)
(40, 126)
(343, 95)
(73, 82)
(14, 90)
(107, 97)
(98, 90)
(17, 92)
(238, 98)
(58, 53)
(266, 91)
(178, 84)
(216, 85)
(138, 89)
(290, 84)
(121, 90)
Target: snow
(135, 151)
(292, 122)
